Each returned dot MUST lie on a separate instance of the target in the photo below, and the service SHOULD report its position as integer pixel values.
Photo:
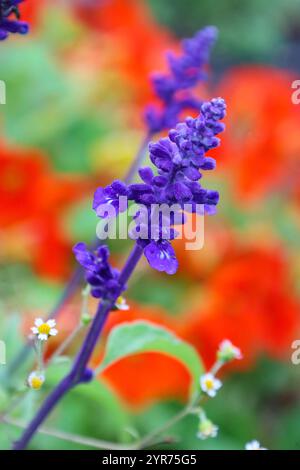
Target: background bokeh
(76, 89)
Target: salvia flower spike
(179, 160)
(175, 89)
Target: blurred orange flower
(30, 11)
(136, 41)
(218, 242)
(251, 303)
(32, 200)
(260, 148)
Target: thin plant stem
(70, 437)
(65, 344)
(216, 367)
(40, 355)
(85, 299)
(82, 440)
(73, 335)
(151, 438)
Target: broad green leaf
(141, 336)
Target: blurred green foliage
(251, 30)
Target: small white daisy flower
(207, 429)
(44, 329)
(254, 445)
(210, 385)
(121, 303)
(227, 351)
(35, 380)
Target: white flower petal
(38, 322)
(34, 330)
(53, 332)
(51, 323)
(123, 307)
(254, 445)
(43, 337)
(217, 384)
(31, 376)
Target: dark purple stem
(76, 278)
(76, 375)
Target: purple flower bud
(160, 181)
(87, 375)
(192, 173)
(208, 164)
(146, 175)
(181, 192)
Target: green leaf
(141, 336)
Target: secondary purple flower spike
(8, 8)
(103, 279)
(179, 160)
(185, 72)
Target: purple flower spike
(179, 160)
(161, 256)
(7, 24)
(175, 90)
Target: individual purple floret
(175, 89)
(103, 279)
(9, 8)
(110, 196)
(179, 160)
(161, 256)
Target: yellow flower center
(120, 300)
(44, 329)
(36, 383)
(209, 384)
